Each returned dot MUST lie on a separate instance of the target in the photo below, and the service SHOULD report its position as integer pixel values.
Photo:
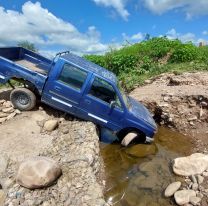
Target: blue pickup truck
(76, 86)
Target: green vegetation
(136, 63)
(27, 45)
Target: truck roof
(85, 64)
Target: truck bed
(27, 59)
(22, 64)
(30, 65)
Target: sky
(95, 26)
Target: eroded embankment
(73, 144)
(179, 102)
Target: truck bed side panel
(8, 70)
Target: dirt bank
(74, 145)
(179, 102)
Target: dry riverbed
(72, 144)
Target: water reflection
(137, 175)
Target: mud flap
(128, 138)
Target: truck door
(96, 104)
(64, 89)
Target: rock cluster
(75, 148)
(192, 190)
(7, 111)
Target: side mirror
(113, 104)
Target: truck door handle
(57, 88)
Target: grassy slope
(136, 63)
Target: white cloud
(135, 37)
(118, 5)
(39, 26)
(190, 7)
(138, 36)
(173, 34)
(205, 32)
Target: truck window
(104, 91)
(72, 76)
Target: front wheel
(23, 99)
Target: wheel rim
(23, 99)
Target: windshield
(124, 96)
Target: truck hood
(141, 112)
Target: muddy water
(137, 176)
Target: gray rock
(7, 104)
(195, 186)
(3, 119)
(10, 116)
(193, 179)
(172, 188)
(2, 197)
(205, 174)
(200, 179)
(50, 125)
(8, 110)
(3, 163)
(38, 172)
(194, 164)
(195, 200)
(182, 197)
(3, 115)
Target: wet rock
(183, 196)
(38, 172)
(172, 188)
(200, 179)
(141, 150)
(50, 125)
(195, 200)
(194, 164)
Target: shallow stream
(138, 175)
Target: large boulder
(182, 197)
(192, 165)
(38, 172)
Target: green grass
(136, 63)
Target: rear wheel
(23, 99)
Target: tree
(27, 45)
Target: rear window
(73, 76)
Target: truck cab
(92, 93)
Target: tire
(23, 99)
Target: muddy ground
(179, 102)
